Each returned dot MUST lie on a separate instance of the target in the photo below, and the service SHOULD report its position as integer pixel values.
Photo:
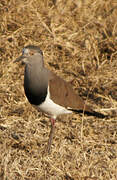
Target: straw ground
(79, 41)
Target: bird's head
(27, 52)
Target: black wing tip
(98, 114)
(93, 113)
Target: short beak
(19, 58)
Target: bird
(47, 92)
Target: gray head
(28, 52)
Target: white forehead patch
(25, 51)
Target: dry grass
(79, 41)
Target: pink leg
(51, 134)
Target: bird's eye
(31, 53)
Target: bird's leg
(51, 134)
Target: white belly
(51, 108)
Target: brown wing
(62, 93)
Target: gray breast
(35, 84)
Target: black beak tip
(18, 59)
